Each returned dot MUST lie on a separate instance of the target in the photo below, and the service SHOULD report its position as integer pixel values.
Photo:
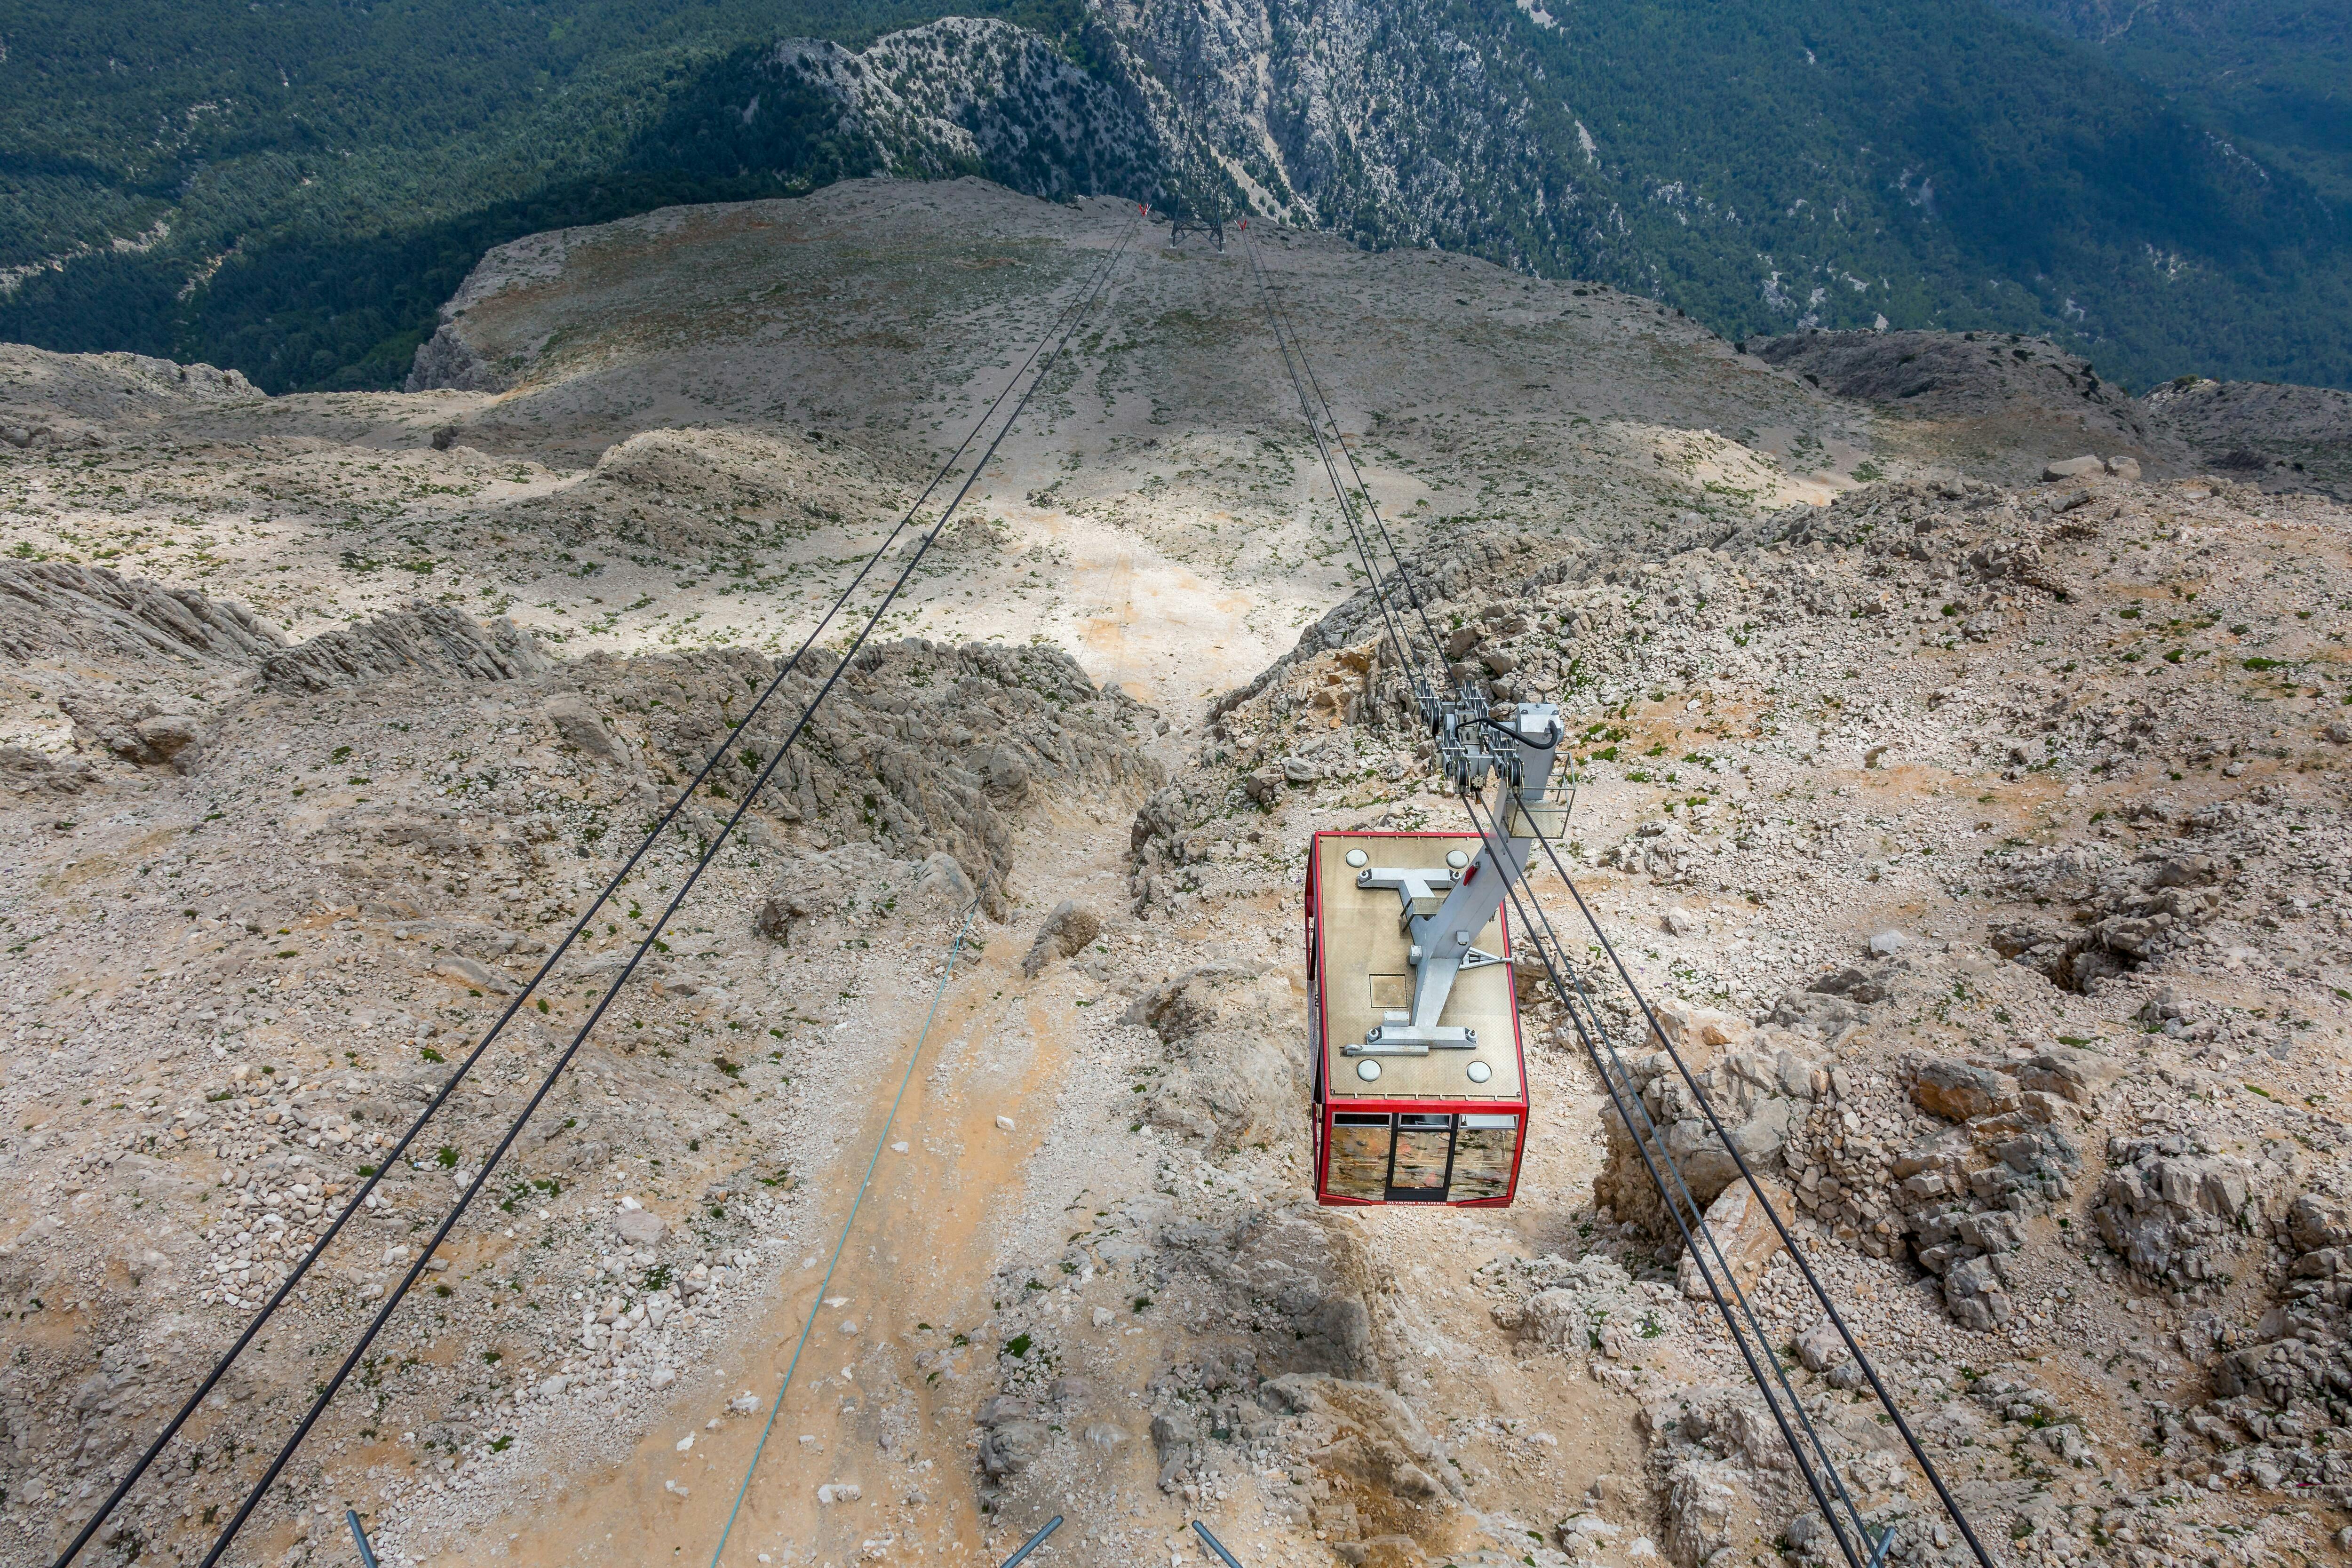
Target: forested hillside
(293, 189)
(2274, 76)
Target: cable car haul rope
(1420, 1092)
(1450, 916)
(1028, 377)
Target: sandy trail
(920, 1255)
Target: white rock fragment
(1005, 1123)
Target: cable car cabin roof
(1361, 972)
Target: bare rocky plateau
(1979, 834)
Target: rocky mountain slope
(2281, 437)
(1979, 838)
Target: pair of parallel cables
(1034, 369)
(1841, 1513)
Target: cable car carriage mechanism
(1420, 1077)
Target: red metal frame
(1324, 1109)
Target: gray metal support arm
(1442, 938)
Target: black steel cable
(1699, 1216)
(1397, 640)
(1812, 1282)
(440, 1096)
(326, 1394)
(1413, 596)
(1796, 1254)
(1647, 1135)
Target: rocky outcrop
(1218, 1082)
(2277, 436)
(49, 606)
(1944, 375)
(969, 96)
(429, 639)
(1368, 1433)
(1587, 1305)
(910, 753)
(2124, 914)
(1760, 1089)
(2175, 1211)
(447, 362)
(1957, 1197)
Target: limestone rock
(1587, 1304)
(577, 723)
(1976, 1295)
(49, 606)
(1064, 934)
(639, 1227)
(1378, 1439)
(1961, 1091)
(2172, 1213)
(2078, 1076)
(1822, 1347)
(424, 638)
(446, 360)
(1759, 1091)
(1706, 1502)
(1012, 1439)
(1743, 1235)
(2072, 468)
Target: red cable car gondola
(1420, 1076)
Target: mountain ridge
(1765, 170)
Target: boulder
(2077, 1076)
(1743, 1234)
(1010, 1440)
(1975, 1294)
(639, 1227)
(2072, 468)
(1962, 1091)
(578, 724)
(1064, 934)
(1822, 1347)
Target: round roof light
(1480, 1072)
(1357, 857)
(1457, 858)
(1368, 1071)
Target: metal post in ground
(358, 1538)
(1215, 1546)
(1036, 1541)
